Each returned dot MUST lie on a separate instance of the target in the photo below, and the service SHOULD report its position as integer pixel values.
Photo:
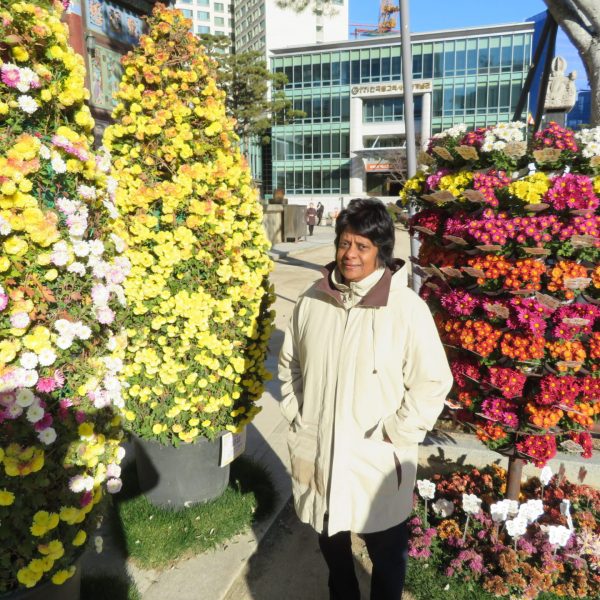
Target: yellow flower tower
(198, 292)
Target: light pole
(409, 117)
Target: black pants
(310, 229)
(388, 551)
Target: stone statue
(561, 94)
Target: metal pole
(539, 113)
(407, 81)
(532, 70)
(409, 117)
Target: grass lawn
(155, 537)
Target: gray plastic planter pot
(69, 590)
(179, 477)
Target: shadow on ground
(288, 564)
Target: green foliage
(245, 78)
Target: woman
(363, 378)
(311, 218)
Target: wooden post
(513, 482)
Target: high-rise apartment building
(262, 25)
(208, 16)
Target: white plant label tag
(232, 446)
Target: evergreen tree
(245, 79)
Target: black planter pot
(179, 477)
(69, 590)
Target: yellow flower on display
(194, 237)
(80, 538)
(53, 549)
(61, 576)
(6, 498)
(43, 522)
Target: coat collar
(376, 297)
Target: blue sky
(430, 15)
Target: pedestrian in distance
(311, 218)
(363, 378)
(320, 209)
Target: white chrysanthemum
(113, 213)
(77, 484)
(14, 411)
(114, 485)
(45, 152)
(87, 191)
(83, 331)
(97, 247)
(27, 79)
(426, 488)
(531, 510)
(27, 104)
(120, 245)
(546, 475)
(516, 527)
(60, 254)
(29, 377)
(471, 504)
(499, 511)
(112, 363)
(58, 164)
(20, 320)
(64, 342)
(103, 159)
(77, 225)
(559, 535)
(113, 470)
(66, 206)
(29, 360)
(77, 268)
(5, 227)
(24, 398)
(47, 357)
(100, 295)
(35, 413)
(81, 248)
(47, 436)
(63, 327)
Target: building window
(186, 13)
(202, 15)
(220, 21)
(202, 29)
(219, 7)
(202, 2)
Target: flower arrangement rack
(199, 319)
(60, 304)
(510, 241)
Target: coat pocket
(302, 444)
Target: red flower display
(510, 261)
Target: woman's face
(356, 256)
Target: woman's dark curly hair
(369, 217)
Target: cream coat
(349, 375)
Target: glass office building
(352, 95)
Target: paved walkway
(287, 564)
